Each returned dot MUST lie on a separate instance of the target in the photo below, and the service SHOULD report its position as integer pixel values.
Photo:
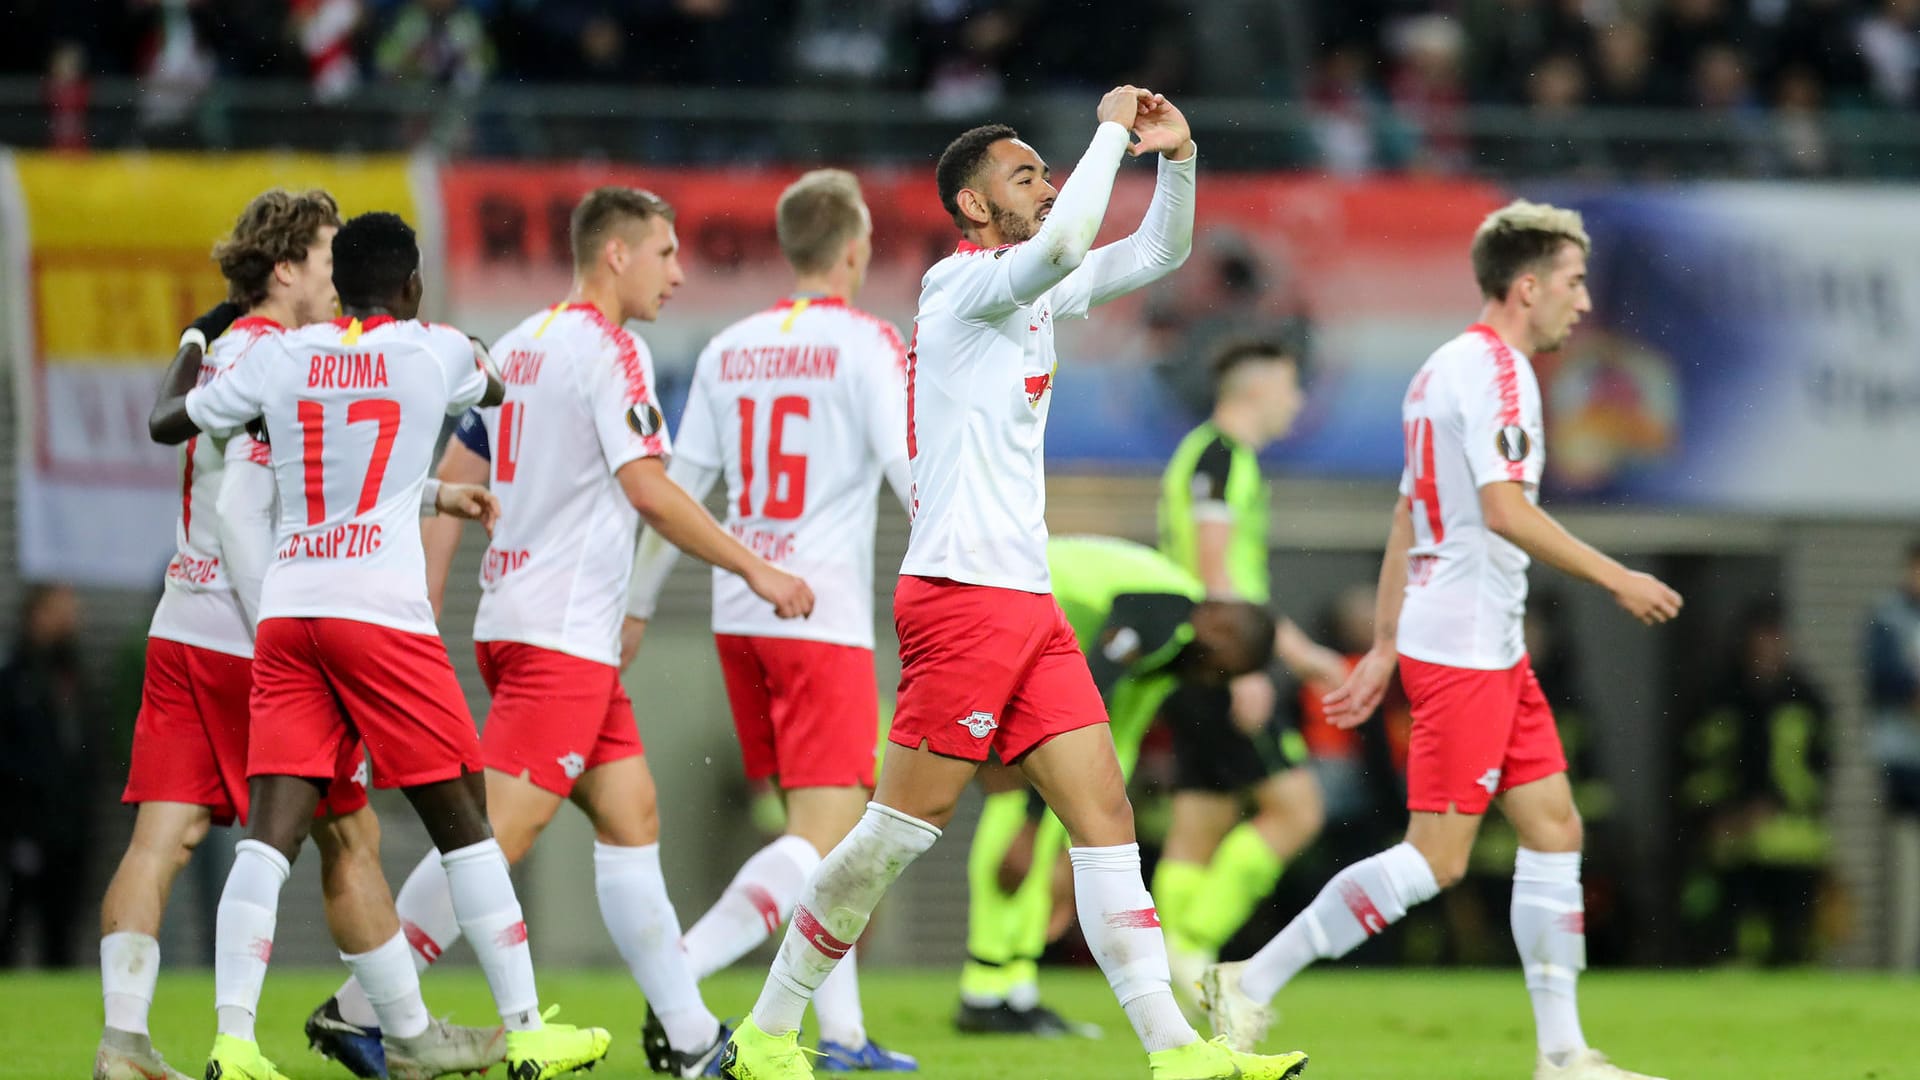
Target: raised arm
(1165, 236)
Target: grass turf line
(1392, 1025)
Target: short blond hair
(817, 215)
(1519, 236)
(605, 209)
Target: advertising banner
(106, 258)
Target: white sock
(836, 1004)
(129, 967)
(1550, 929)
(1359, 902)
(834, 908)
(428, 923)
(391, 987)
(490, 917)
(756, 903)
(1122, 929)
(243, 934)
(640, 916)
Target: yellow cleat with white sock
(1216, 1060)
(1236, 1017)
(554, 1049)
(239, 1059)
(1588, 1064)
(753, 1054)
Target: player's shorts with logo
(986, 669)
(554, 715)
(1476, 734)
(807, 712)
(327, 682)
(1211, 753)
(190, 739)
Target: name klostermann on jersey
(779, 362)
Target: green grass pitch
(1392, 1025)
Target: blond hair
(817, 215)
(1517, 237)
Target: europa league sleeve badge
(646, 421)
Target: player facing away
(578, 460)
(990, 664)
(1452, 592)
(802, 408)
(1148, 629)
(1231, 741)
(346, 647)
(189, 766)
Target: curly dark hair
(277, 226)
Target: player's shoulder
(241, 338)
(967, 258)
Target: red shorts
(320, 684)
(1476, 734)
(190, 739)
(554, 715)
(984, 668)
(807, 712)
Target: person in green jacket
(1146, 627)
(1233, 741)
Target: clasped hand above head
(1158, 126)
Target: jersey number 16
(786, 473)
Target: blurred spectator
(1889, 40)
(1754, 789)
(326, 32)
(1893, 698)
(67, 93)
(1351, 122)
(1821, 35)
(1509, 39)
(1681, 31)
(443, 42)
(1429, 89)
(1622, 67)
(961, 51)
(1800, 146)
(49, 750)
(1722, 90)
(1559, 140)
(174, 63)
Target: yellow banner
(120, 242)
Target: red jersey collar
(968, 247)
(257, 324)
(372, 322)
(810, 301)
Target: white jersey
(1471, 418)
(354, 409)
(199, 607)
(803, 408)
(980, 374)
(580, 404)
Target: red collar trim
(373, 322)
(257, 323)
(811, 301)
(968, 247)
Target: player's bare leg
(620, 799)
(916, 796)
(360, 913)
(165, 835)
(1079, 775)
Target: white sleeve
(1157, 248)
(620, 397)
(244, 511)
(1500, 422)
(239, 391)
(653, 559)
(465, 365)
(991, 286)
(886, 394)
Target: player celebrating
(1452, 591)
(990, 664)
(577, 462)
(1231, 740)
(803, 408)
(346, 647)
(190, 740)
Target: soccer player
(346, 646)
(578, 460)
(1452, 591)
(1230, 741)
(1147, 629)
(190, 739)
(802, 408)
(990, 664)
